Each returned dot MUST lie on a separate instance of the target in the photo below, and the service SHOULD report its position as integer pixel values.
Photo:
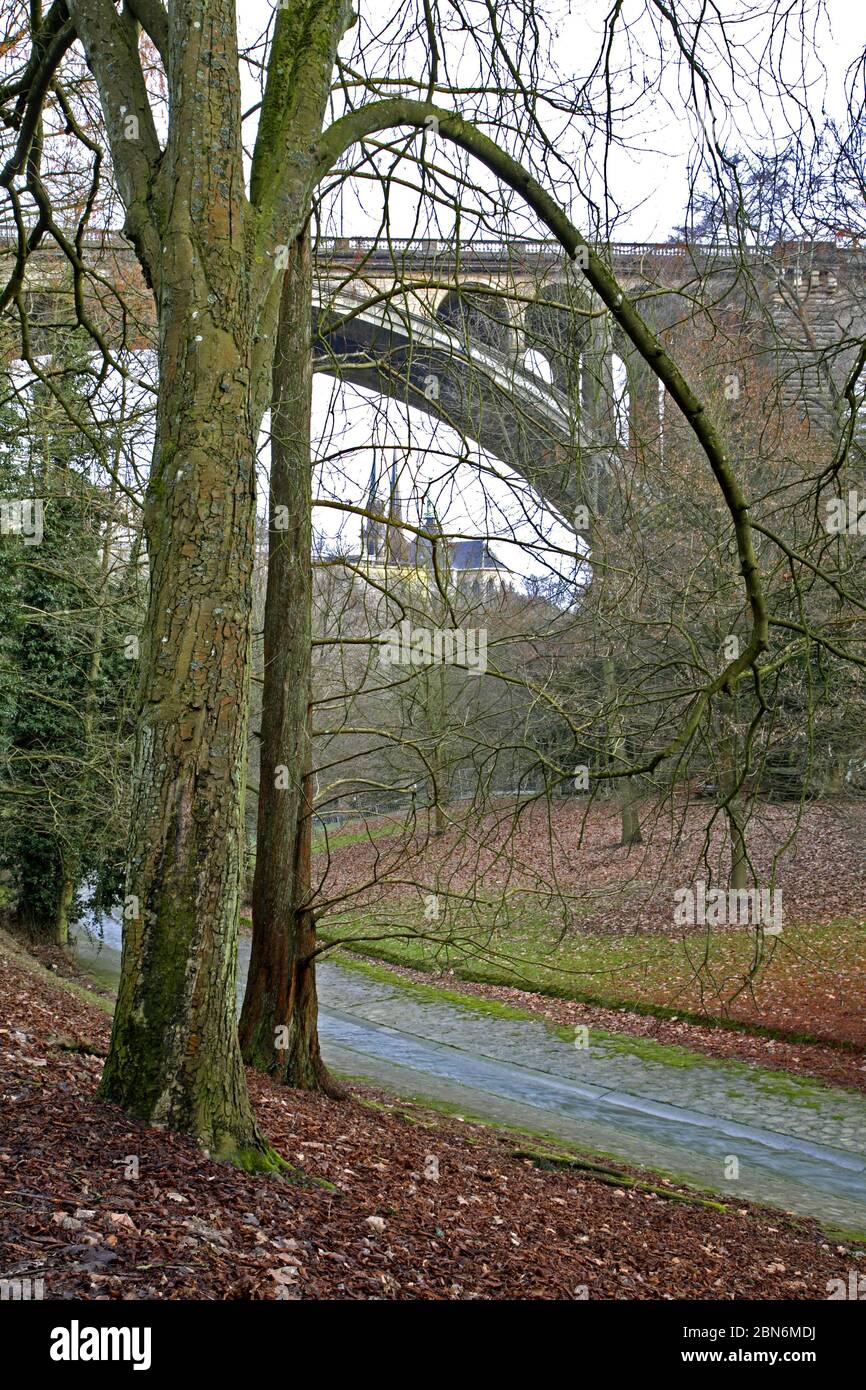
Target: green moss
(612, 1176)
(850, 1236)
(264, 1159)
(371, 1104)
(417, 1120)
(803, 1090)
(648, 1050)
(434, 994)
(255, 1160)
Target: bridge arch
(507, 379)
(558, 327)
(483, 393)
(479, 313)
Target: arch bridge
(504, 342)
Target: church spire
(396, 539)
(370, 529)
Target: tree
(215, 256)
(278, 1021)
(211, 256)
(66, 725)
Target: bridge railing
(393, 249)
(335, 248)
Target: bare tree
(214, 252)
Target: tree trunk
(300, 1059)
(174, 1057)
(278, 1027)
(439, 780)
(64, 902)
(436, 703)
(734, 808)
(624, 787)
(739, 857)
(630, 832)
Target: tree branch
(154, 21)
(307, 34)
(37, 85)
(400, 111)
(112, 56)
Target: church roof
(474, 555)
(466, 556)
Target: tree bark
(174, 1057)
(733, 816)
(733, 803)
(630, 831)
(278, 1026)
(65, 893)
(739, 858)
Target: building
(388, 549)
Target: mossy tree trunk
(212, 256)
(174, 1057)
(278, 1027)
(65, 894)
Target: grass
(323, 842)
(697, 978)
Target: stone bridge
(505, 342)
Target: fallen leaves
(490, 1227)
(121, 1221)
